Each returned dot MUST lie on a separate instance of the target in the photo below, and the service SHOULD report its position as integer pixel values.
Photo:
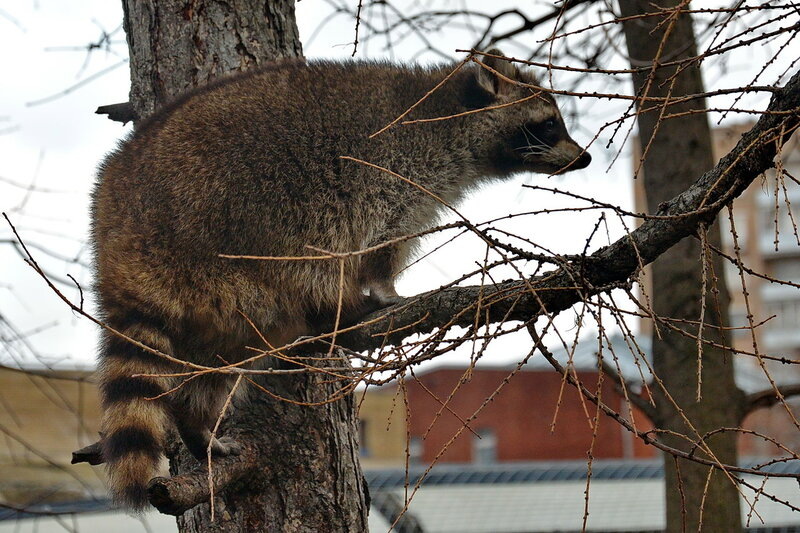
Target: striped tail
(133, 427)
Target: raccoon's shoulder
(227, 84)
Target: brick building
(516, 424)
(535, 416)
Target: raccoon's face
(538, 142)
(529, 134)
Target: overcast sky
(56, 143)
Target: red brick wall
(520, 417)
(773, 422)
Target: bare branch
(528, 25)
(625, 391)
(175, 495)
(646, 436)
(556, 291)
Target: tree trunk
(677, 151)
(302, 471)
(178, 45)
(305, 475)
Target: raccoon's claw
(383, 295)
(373, 303)
(385, 300)
(224, 446)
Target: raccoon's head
(528, 135)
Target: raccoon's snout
(583, 161)
(568, 155)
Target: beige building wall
(755, 213)
(46, 416)
(43, 419)
(383, 423)
(769, 243)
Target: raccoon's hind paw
(224, 446)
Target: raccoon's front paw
(385, 300)
(224, 446)
(373, 303)
(382, 293)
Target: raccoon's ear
(490, 81)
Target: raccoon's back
(252, 156)
(249, 166)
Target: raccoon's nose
(583, 161)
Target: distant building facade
(533, 415)
(766, 219)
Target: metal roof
(532, 472)
(633, 505)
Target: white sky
(59, 144)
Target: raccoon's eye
(549, 123)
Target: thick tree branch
(769, 397)
(92, 454)
(560, 289)
(175, 495)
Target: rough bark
(298, 472)
(301, 462)
(177, 45)
(676, 151)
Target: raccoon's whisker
(533, 150)
(537, 148)
(539, 141)
(526, 133)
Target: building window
(786, 269)
(785, 226)
(484, 447)
(738, 319)
(415, 449)
(787, 315)
(363, 446)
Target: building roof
(534, 472)
(523, 497)
(612, 506)
(551, 496)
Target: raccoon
(251, 164)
